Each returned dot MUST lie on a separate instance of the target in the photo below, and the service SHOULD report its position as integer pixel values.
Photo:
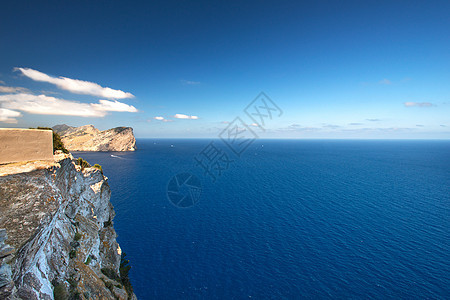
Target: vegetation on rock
(111, 274)
(124, 269)
(107, 223)
(77, 236)
(60, 291)
(88, 260)
(97, 166)
(82, 163)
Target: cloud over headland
(46, 105)
(75, 85)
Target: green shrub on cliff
(88, 260)
(110, 273)
(97, 166)
(60, 291)
(82, 163)
(77, 236)
(124, 269)
(107, 223)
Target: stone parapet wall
(25, 145)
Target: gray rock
(41, 212)
(3, 235)
(74, 244)
(5, 251)
(5, 275)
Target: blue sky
(337, 69)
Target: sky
(332, 69)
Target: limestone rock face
(57, 236)
(89, 138)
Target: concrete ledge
(18, 145)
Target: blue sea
(287, 219)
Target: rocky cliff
(57, 239)
(89, 138)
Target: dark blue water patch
(288, 219)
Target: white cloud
(12, 89)
(182, 116)
(190, 82)
(385, 81)
(46, 105)
(418, 104)
(330, 126)
(75, 86)
(114, 105)
(162, 119)
(9, 116)
(299, 128)
(254, 124)
(2, 82)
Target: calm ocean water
(287, 220)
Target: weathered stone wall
(25, 145)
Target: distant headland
(89, 138)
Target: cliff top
(29, 166)
(57, 237)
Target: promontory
(89, 138)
